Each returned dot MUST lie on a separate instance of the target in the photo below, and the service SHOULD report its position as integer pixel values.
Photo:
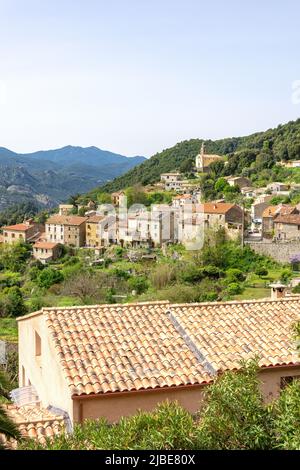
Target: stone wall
(280, 251)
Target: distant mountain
(50, 177)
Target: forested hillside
(257, 151)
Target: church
(203, 160)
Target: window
(287, 380)
(38, 345)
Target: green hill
(255, 153)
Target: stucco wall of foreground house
(114, 406)
(43, 372)
(271, 380)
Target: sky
(138, 76)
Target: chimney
(278, 291)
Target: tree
(187, 166)
(12, 303)
(136, 195)
(234, 415)
(7, 426)
(286, 412)
(48, 277)
(221, 184)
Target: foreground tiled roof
(117, 348)
(34, 423)
(110, 348)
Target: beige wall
(270, 380)
(42, 372)
(286, 231)
(114, 406)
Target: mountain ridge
(49, 177)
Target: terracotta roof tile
(18, 227)
(217, 207)
(66, 220)
(34, 423)
(116, 348)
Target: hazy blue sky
(137, 76)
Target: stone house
(67, 230)
(109, 361)
(224, 215)
(240, 181)
(28, 231)
(287, 227)
(269, 216)
(170, 177)
(278, 187)
(46, 251)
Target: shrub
(261, 271)
(234, 288)
(234, 415)
(234, 275)
(296, 289)
(286, 275)
(48, 277)
(139, 284)
(286, 413)
(192, 274)
(12, 303)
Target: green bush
(234, 275)
(261, 271)
(48, 277)
(234, 288)
(286, 275)
(140, 284)
(234, 415)
(12, 303)
(286, 411)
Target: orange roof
(283, 209)
(217, 207)
(18, 227)
(291, 219)
(34, 423)
(45, 245)
(270, 211)
(116, 348)
(66, 220)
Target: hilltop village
(256, 214)
(121, 302)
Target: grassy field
(8, 330)
(253, 293)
